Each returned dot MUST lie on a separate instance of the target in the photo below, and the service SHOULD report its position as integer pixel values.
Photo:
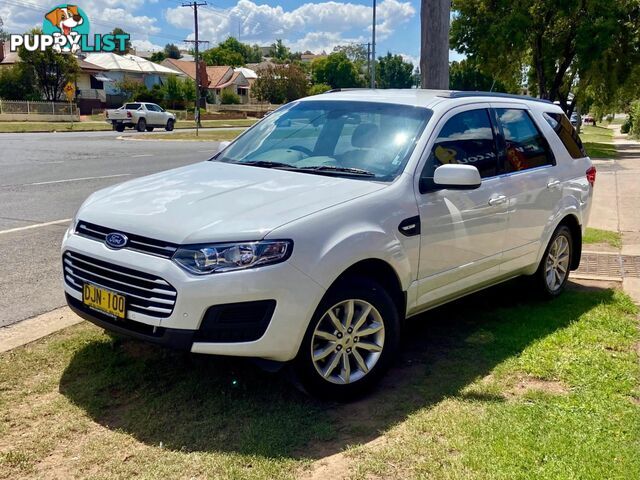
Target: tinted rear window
(567, 134)
(132, 106)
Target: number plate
(104, 300)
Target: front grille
(136, 242)
(145, 293)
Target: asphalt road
(44, 177)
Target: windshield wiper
(267, 164)
(338, 170)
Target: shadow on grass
(200, 403)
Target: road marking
(142, 155)
(37, 225)
(50, 163)
(75, 179)
(204, 151)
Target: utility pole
(434, 51)
(196, 42)
(373, 48)
(369, 58)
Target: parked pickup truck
(141, 116)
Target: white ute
(316, 232)
(141, 116)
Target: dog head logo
(67, 20)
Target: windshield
(359, 139)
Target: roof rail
(465, 94)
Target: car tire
(170, 125)
(142, 125)
(150, 129)
(333, 361)
(119, 128)
(553, 272)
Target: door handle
(499, 200)
(553, 184)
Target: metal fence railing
(37, 108)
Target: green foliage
(626, 126)
(466, 75)
(18, 83)
(281, 83)
(319, 88)
(4, 36)
(337, 71)
(157, 57)
(175, 93)
(634, 117)
(279, 51)
(229, 98)
(233, 53)
(587, 48)
(51, 70)
(393, 72)
(355, 52)
(172, 51)
(127, 45)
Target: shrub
(229, 98)
(626, 126)
(634, 117)
(319, 88)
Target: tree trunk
(434, 52)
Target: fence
(38, 108)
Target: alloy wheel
(347, 341)
(557, 264)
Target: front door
(462, 231)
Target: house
(217, 79)
(128, 67)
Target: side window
(467, 138)
(525, 145)
(567, 134)
(152, 107)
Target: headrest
(365, 135)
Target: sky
(315, 26)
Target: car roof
(418, 97)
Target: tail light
(128, 114)
(591, 175)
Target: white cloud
(411, 59)
(146, 45)
(319, 42)
(331, 22)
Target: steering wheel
(302, 149)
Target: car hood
(217, 202)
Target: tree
(18, 83)
(173, 90)
(4, 36)
(336, 70)
(566, 47)
(158, 56)
(51, 70)
(172, 51)
(354, 52)
(319, 88)
(466, 75)
(233, 53)
(280, 83)
(279, 51)
(131, 89)
(127, 44)
(434, 51)
(393, 72)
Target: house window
(96, 84)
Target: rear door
(530, 180)
(462, 231)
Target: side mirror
(457, 177)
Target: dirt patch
(526, 385)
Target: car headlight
(227, 257)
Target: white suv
(313, 235)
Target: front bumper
(296, 297)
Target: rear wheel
(553, 272)
(350, 341)
(150, 129)
(142, 125)
(119, 127)
(170, 124)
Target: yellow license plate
(103, 300)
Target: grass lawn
(598, 141)
(595, 235)
(203, 136)
(20, 127)
(524, 390)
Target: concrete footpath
(616, 205)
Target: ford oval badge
(116, 240)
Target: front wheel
(350, 341)
(169, 126)
(142, 125)
(553, 272)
